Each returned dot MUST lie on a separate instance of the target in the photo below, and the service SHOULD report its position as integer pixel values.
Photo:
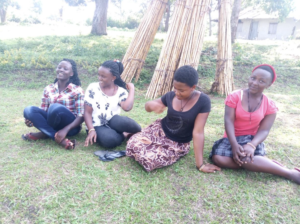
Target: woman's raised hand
(130, 86)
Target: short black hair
(116, 68)
(268, 69)
(75, 78)
(187, 74)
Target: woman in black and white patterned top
(103, 103)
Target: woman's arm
(128, 103)
(155, 106)
(237, 149)
(92, 135)
(262, 133)
(45, 100)
(198, 141)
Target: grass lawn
(43, 183)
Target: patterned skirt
(152, 149)
(222, 147)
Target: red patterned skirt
(152, 149)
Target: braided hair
(186, 74)
(73, 79)
(116, 68)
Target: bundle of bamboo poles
(183, 44)
(195, 35)
(169, 56)
(136, 53)
(223, 84)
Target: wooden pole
(137, 51)
(223, 84)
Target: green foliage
(282, 7)
(75, 2)
(5, 3)
(37, 6)
(130, 22)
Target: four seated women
(249, 116)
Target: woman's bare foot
(127, 135)
(295, 176)
(39, 135)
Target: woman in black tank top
(166, 140)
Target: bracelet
(249, 143)
(201, 167)
(93, 129)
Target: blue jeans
(56, 118)
(111, 136)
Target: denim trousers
(111, 135)
(49, 122)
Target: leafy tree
(282, 7)
(37, 6)
(76, 2)
(3, 8)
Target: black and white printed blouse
(104, 107)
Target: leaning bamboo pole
(169, 57)
(223, 84)
(137, 51)
(193, 43)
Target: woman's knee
(54, 108)
(124, 124)
(110, 140)
(219, 160)
(29, 111)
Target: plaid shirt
(72, 98)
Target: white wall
(245, 30)
(284, 29)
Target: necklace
(249, 108)
(191, 96)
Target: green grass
(43, 183)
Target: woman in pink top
(249, 116)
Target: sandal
(29, 137)
(70, 144)
(297, 169)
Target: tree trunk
(3, 15)
(100, 18)
(209, 13)
(168, 16)
(235, 18)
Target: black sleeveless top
(178, 126)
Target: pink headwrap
(275, 76)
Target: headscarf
(272, 69)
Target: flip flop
(29, 137)
(297, 169)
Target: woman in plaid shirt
(61, 110)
